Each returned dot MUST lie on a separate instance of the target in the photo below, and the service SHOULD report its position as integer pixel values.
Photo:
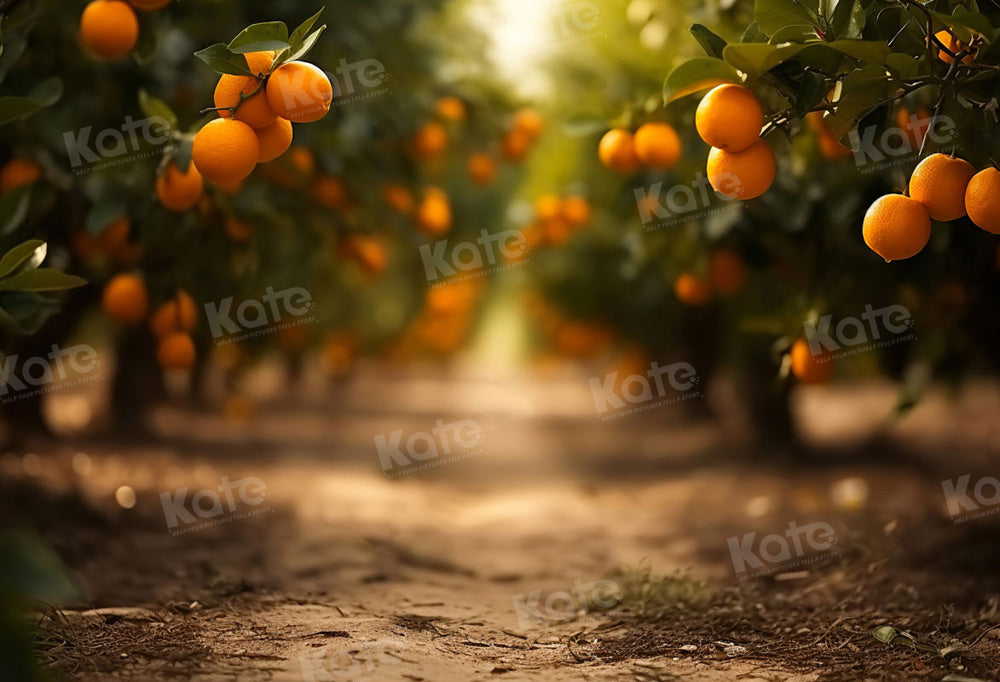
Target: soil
(567, 548)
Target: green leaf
(182, 152)
(13, 48)
(753, 34)
(13, 209)
(902, 65)
(270, 35)
(795, 34)
(974, 22)
(302, 30)
(29, 254)
(30, 570)
(863, 91)
(697, 74)
(29, 311)
(710, 42)
(10, 325)
(43, 279)
(871, 51)
(302, 50)
(773, 15)
(885, 633)
(581, 125)
(153, 107)
(840, 13)
(756, 59)
(222, 60)
(43, 95)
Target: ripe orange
(529, 122)
(450, 108)
(482, 168)
(274, 140)
(175, 351)
(178, 314)
(829, 146)
(237, 230)
(430, 141)
(982, 199)
(398, 198)
(115, 235)
(729, 117)
(515, 145)
(433, 214)
(727, 272)
(179, 191)
(225, 150)
(150, 5)
(109, 28)
(18, 173)
(366, 250)
(300, 92)
(255, 111)
(807, 368)
(330, 192)
(657, 145)
(897, 227)
(125, 300)
(617, 151)
(557, 231)
(576, 211)
(692, 290)
(953, 44)
(742, 175)
(547, 207)
(938, 182)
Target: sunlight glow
(522, 35)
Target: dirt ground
(566, 548)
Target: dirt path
(483, 568)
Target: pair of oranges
(942, 187)
(125, 301)
(655, 145)
(110, 28)
(727, 273)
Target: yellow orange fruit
(237, 230)
(982, 199)
(398, 198)
(482, 168)
(692, 290)
(547, 207)
(255, 110)
(953, 44)
(576, 211)
(109, 28)
(450, 108)
(897, 227)
(176, 351)
(727, 272)
(742, 175)
(617, 151)
(366, 250)
(299, 92)
(274, 140)
(938, 182)
(125, 300)
(729, 117)
(115, 235)
(529, 122)
(330, 192)
(178, 314)
(225, 150)
(179, 191)
(809, 368)
(515, 145)
(150, 5)
(657, 145)
(433, 214)
(18, 173)
(430, 141)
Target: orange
(109, 28)
(938, 182)
(727, 272)
(238, 230)
(254, 110)
(430, 141)
(953, 44)
(450, 108)
(179, 314)
(367, 251)
(225, 150)
(330, 192)
(529, 122)
(125, 300)
(150, 5)
(576, 211)
(806, 367)
(729, 117)
(547, 207)
(398, 198)
(176, 351)
(230, 188)
(742, 175)
(557, 231)
(692, 290)
(982, 199)
(433, 214)
(897, 227)
(657, 145)
(617, 151)
(18, 173)
(179, 191)
(292, 170)
(300, 92)
(115, 235)
(274, 140)
(515, 145)
(482, 169)
(829, 146)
